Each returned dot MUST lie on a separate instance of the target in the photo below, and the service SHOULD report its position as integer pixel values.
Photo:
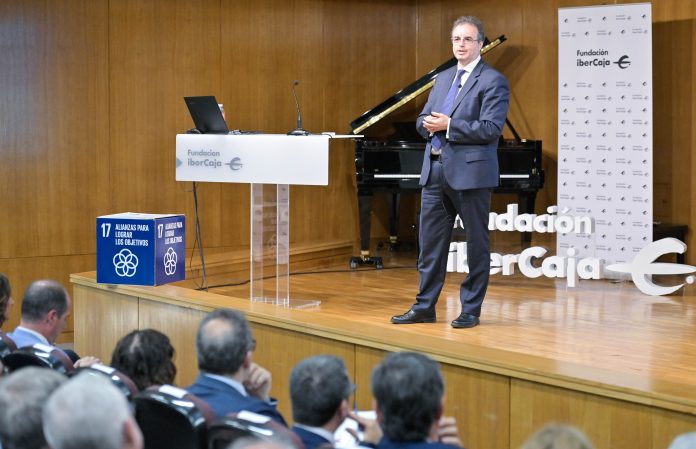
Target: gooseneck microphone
(297, 131)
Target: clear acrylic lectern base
(270, 247)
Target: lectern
(270, 163)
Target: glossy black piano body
(386, 166)
(392, 165)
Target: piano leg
(394, 204)
(365, 211)
(526, 202)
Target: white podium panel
(254, 158)
(270, 163)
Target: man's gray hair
(558, 435)
(88, 412)
(22, 396)
(684, 441)
(318, 385)
(471, 20)
(222, 342)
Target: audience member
(6, 301)
(558, 436)
(319, 389)
(22, 396)
(146, 357)
(259, 443)
(89, 413)
(684, 441)
(229, 380)
(45, 310)
(409, 399)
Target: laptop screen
(206, 115)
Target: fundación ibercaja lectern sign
(270, 163)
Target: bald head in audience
(45, 310)
(88, 412)
(558, 436)
(684, 441)
(22, 396)
(259, 443)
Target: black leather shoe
(414, 316)
(465, 320)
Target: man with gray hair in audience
(409, 394)
(22, 396)
(88, 412)
(319, 389)
(229, 381)
(45, 310)
(684, 441)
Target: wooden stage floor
(599, 331)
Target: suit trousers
(440, 205)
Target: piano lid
(410, 92)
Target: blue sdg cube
(141, 249)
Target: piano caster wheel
(356, 261)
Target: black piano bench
(662, 230)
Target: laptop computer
(206, 115)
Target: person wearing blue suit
(463, 120)
(229, 381)
(409, 390)
(319, 390)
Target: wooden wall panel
(607, 422)
(95, 336)
(54, 126)
(481, 403)
(159, 52)
(341, 74)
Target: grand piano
(392, 165)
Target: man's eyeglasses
(252, 347)
(467, 40)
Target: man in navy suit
(229, 381)
(463, 120)
(319, 389)
(409, 400)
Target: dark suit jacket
(469, 156)
(310, 439)
(224, 399)
(386, 443)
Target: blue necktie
(447, 106)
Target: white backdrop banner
(605, 138)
